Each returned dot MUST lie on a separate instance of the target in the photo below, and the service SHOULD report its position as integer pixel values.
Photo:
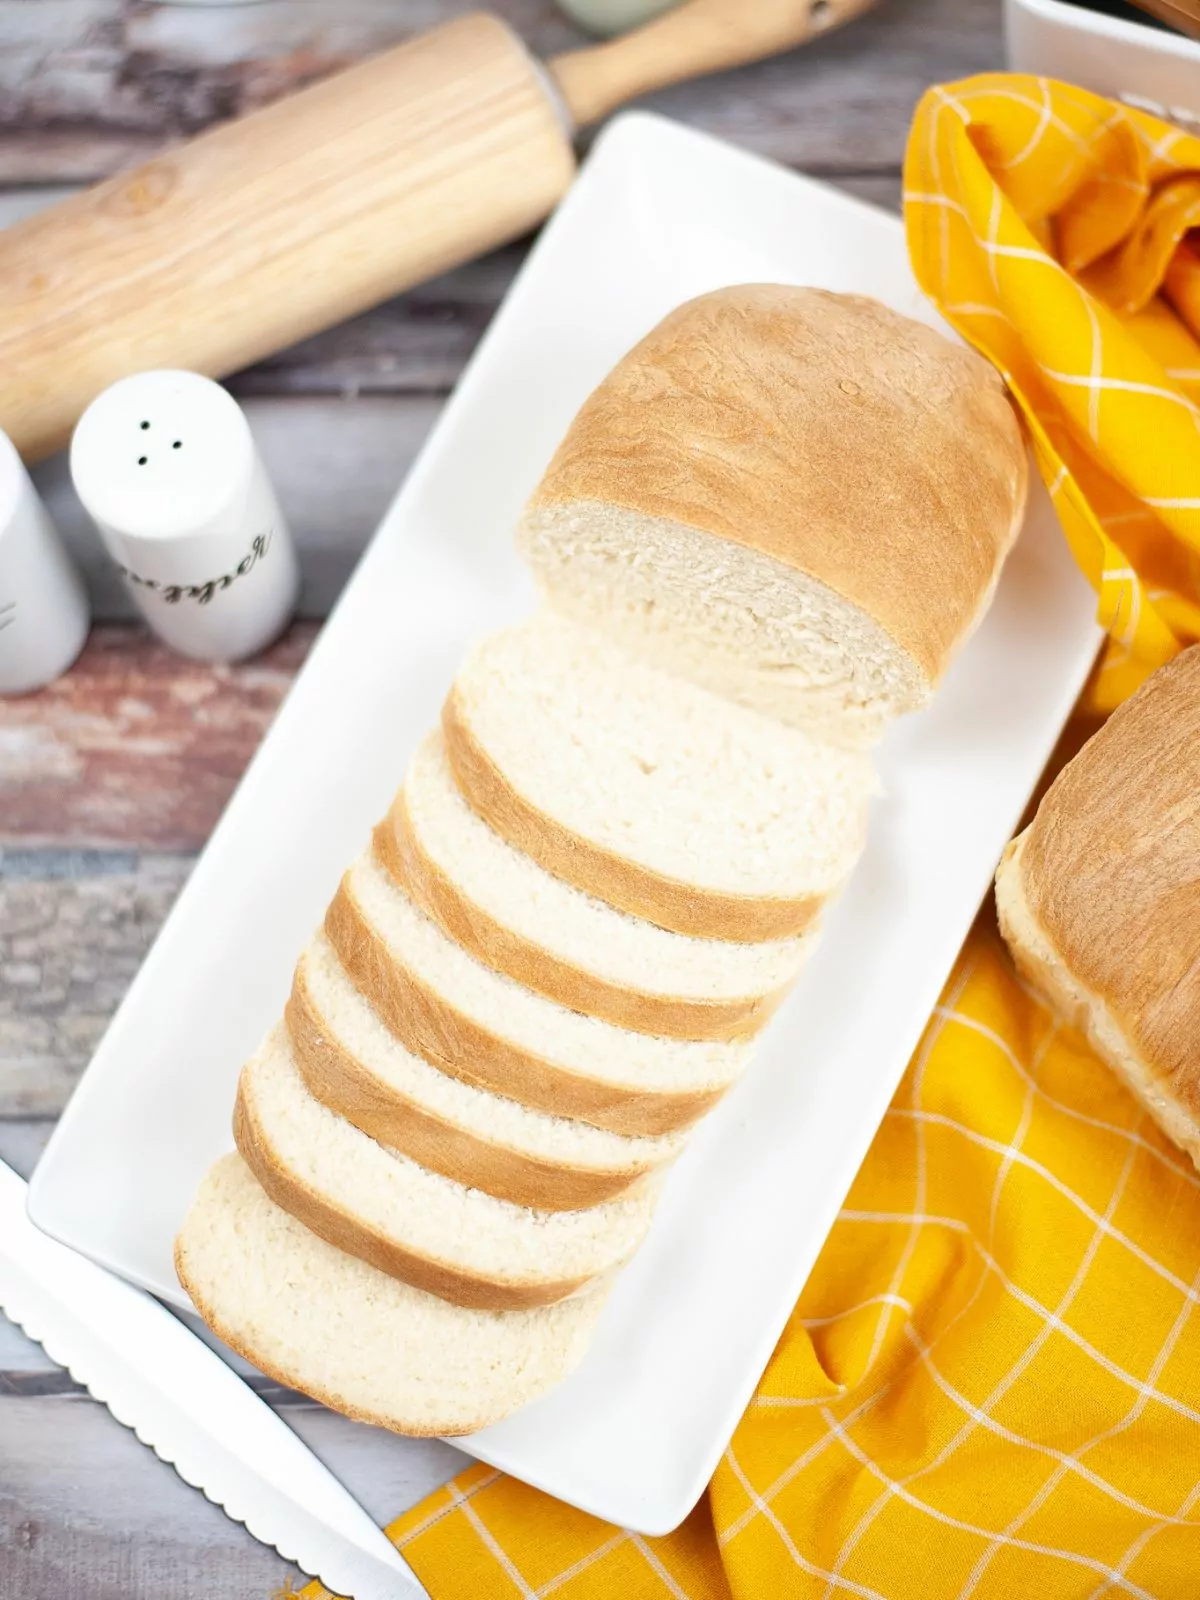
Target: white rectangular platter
(659, 214)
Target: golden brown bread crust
(844, 440)
(1110, 870)
(429, 1026)
(679, 907)
(399, 852)
(1045, 970)
(356, 1238)
(339, 1080)
(1042, 965)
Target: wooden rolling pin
(265, 230)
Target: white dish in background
(1155, 69)
(658, 214)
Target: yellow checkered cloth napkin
(1049, 226)
(991, 1384)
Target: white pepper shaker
(165, 465)
(43, 604)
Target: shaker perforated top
(163, 454)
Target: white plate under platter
(658, 214)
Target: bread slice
(523, 921)
(1099, 898)
(354, 1338)
(356, 1067)
(649, 793)
(801, 499)
(440, 1236)
(444, 1005)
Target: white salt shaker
(166, 467)
(43, 604)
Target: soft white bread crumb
(358, 1068)
(544, 932)
(450, 1008)
(355, 1339)
(735, 621)
(439, 1235)
(720, 816)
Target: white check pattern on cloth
(974, 1416)
(963, 1180)
(990, 163)
(968, 1180)
(1054, 1319)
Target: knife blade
(190, 1407)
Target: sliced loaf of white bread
(649, 792)
(354, 1338)
(444, 1005)
(452, 1241)
(601, 878)
(799, 498)
(521, 920)
(354, 1065)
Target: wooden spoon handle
(700, 37)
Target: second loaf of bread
(1099, 898)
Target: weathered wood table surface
(111, 781)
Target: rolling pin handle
(697, 38)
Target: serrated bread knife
(191, 1408)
